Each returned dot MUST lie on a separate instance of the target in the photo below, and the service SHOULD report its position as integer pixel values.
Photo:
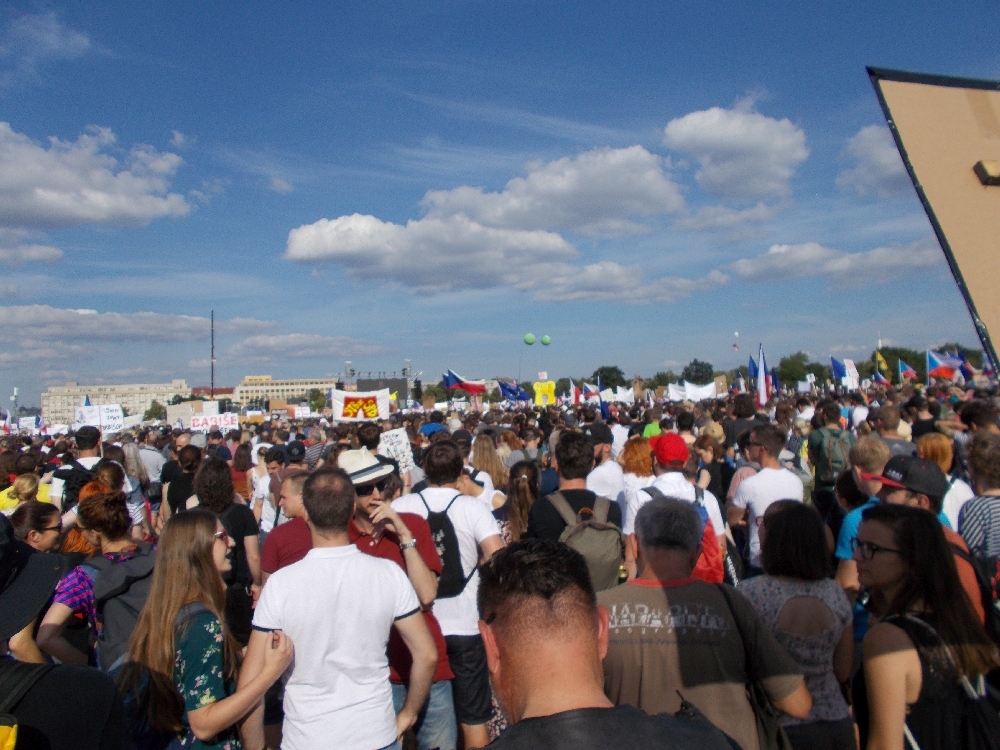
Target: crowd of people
(817, 573)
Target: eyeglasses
(868, 549)
(53, 528)
(365, 490)
(222, 536)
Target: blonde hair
(24, 489)
(485, 458)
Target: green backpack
(601, 543)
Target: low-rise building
(259, 388)
(59, 402)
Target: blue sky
(383, 181)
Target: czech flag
(763, 379)
(880, 378)
(452, 380)
(752, 370)
(941, 365)
(905, 371)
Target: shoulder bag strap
(421, 496)
(450, 502)
(601, 508)
(563, 508)
(653, 492)
(16, 679)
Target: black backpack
(453, 580)
(74, 477)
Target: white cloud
(782, 262)
(598, 192)
(716, 218)
(437, 255)
(179, 140)
(27, 323)
(18, 254)
(30, 41)
(70, 183)
(278, 185)
(428, 255)
(281, 347)
(879, 169)
(742, 154)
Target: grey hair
(668, 523)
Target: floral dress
(199, 674)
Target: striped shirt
(979, 525)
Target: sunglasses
(222, 536)
(365, 490)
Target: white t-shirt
(488, 489)
(633, 484)
(675, 484)
(338, 683)
(958, 494)
(619, 433)
(757, 493)
(608, 480)
(56, 490)
(474, 523)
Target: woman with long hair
(928, 645)
(522, 491)
(711, 458)
(809, 614)
(486, 461)
(240, 471)
(260, 502)
(182, 661)
(213, 486)
(181, 484)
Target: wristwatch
(407, 545)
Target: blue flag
(839, 369)
(752, 369)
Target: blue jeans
(436, 726)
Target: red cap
(669, 449)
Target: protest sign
(109, 417)
(209, 408)
(209, 422)
(360, 406)
(396, 444)
(26, 423)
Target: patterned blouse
(814, 655)
(199, 674)
(76, 589)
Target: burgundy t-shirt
(387, 547)
(285, 544)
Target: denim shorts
(473, 697)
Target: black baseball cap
(462, 437)
(599, 433)
(916, 475)
(295, 451)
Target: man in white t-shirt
(619, 431)
(670, 454)
(338, 605)
(772, 483)
(476, 531)
(606, 479)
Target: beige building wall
(265, 387)
(58, 402)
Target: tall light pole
(212, 386)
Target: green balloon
(529, 339)
(546, 341)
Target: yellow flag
(880, 361)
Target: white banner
(209, 408)
(26, 423)
(109, 417)
(625, 395)
(396, 444)
(691, 392)
(220, 422)
(360, 406)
